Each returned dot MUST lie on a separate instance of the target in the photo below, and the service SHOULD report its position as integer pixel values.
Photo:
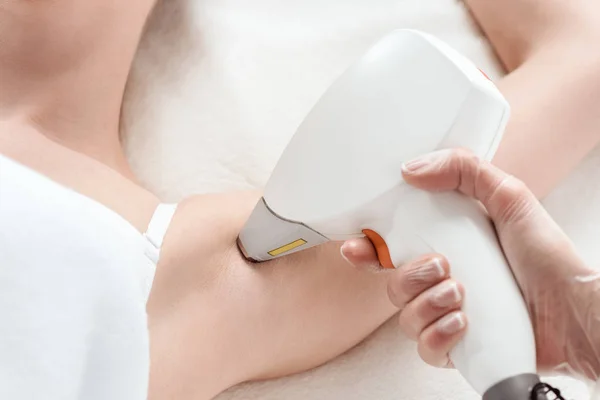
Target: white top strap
(157, 228)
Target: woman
(213, 319)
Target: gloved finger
(412, 279)
(360, 253)
(505, 198)
(438, 339)
(430, 306)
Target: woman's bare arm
(236, 321)
(550, 49)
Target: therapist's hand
(561, 292)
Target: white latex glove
(562, 293)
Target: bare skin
(553, 84)
(214, 319)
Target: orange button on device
(383, 253)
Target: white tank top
(74, 281)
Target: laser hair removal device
(340, 177)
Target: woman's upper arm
(553, 84)
(254, 321)
(519, 28)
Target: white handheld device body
(340, 177)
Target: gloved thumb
(506, 199)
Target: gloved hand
(561, 292)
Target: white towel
(219, 87)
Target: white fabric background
(219, 87)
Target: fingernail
(429, 271)
(452, 323)
(345, 248)
(412, 166)
(418, 163)
(446, 295)
(415, 164)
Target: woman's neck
(64, 67)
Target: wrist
(594, 330)
(584, 342)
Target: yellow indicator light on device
(287, 247)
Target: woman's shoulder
(41, 159)
(32, 200)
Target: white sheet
(219, 87)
